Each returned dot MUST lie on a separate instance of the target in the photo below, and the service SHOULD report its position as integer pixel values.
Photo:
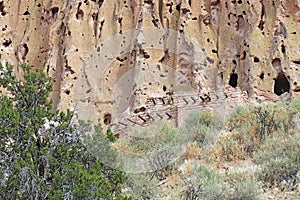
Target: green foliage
(279, 158)
(45, 155)
(243, 182)
(99, 145)
(198, 125)
(110, 136)
(208, 183)
(245, 126)
(245, 189)
(205, 183)
(142, 186)
(271, 133)
(255, 123)
(42, 156)
(195, 119)
(151, 138)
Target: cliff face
(111, 59)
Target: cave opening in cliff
(107, 119)
(281, 84)
(233, 80)
(276, 64)
(262, 76)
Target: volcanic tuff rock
(111, 59)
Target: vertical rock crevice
(244, 46)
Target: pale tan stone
(97, 61)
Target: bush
(256, 123)
(245, 189)
(243, 182)
(151, 138)
(141, 186)
(151, 149)
(205, 183)
(279, 159)
(230, 146)
(41, 152)
(197, 125)
(251, 124)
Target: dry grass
(193, 152)
(229, 147)
(256, 147)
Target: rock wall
(108, 58)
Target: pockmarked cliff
(130, 62)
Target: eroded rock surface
(109, 59)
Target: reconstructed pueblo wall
(136, 61)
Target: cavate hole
(107, 119)
(261, 25)
(67, 92)
(210, 60)
(54, 10)
(297, 89)
(281, 85)
(282, 48)
(23, 51)
(243, 56)
(256, 59)
(262, 76)
(276, 64)
(7, 43)
(26, 13)
(233, 80)
(141, 109)
(297, 62)
(206, 21)
(2, 9)
(79, 14)
(164, 88)
(100, 3)
(241, 24)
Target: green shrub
(205, 183)
(279, 159)
(197, 118)
(152, 138)
(258, 122)
(243, 183)
(41, 152)
(289, 116)
(245, 189)
(141, 186)
(199, 125)
(110, 135)
(242, 122)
